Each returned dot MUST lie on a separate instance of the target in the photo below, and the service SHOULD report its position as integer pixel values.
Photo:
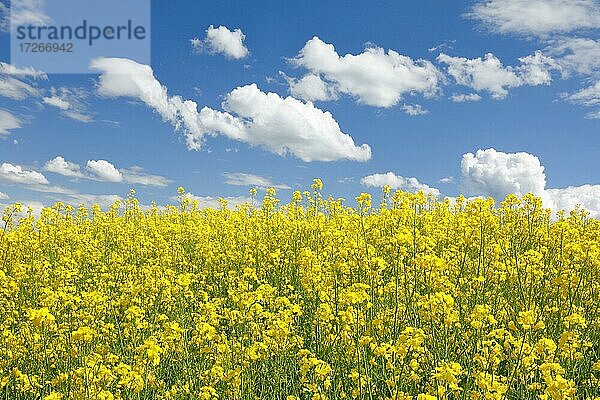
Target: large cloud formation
(492, 173)
(280, 125)
(497, 174)
(372, 77)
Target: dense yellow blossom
(409, 299)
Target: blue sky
(540, 114)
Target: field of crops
(403, 297)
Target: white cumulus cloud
(10, 173)
(491, 173)
(398, 182)
(59, 165)
(489, 74)
(496, 174)
(280, 125)
(287, 125)
(372, 77)
(104, 170)
(221, 40)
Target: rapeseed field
(402, 297)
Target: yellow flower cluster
(411, 299)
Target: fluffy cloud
(284, 125)
(121, 77)
(242, 179)
(36, 181)
(104, 171)
(481, 74)
(461, 98)
(310, 88)
(536, 17)
(280, 125)
(10, 173)
(398, 182)
(489, 74)
(3, 196)
(373, 77)
(223, 41)
(7, 122)
(59, 165)
(496, 174)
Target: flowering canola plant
(413, 298)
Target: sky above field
(482, 98)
